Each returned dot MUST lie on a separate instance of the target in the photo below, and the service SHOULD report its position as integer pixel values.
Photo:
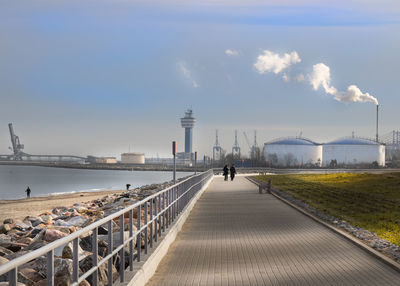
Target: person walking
(28, 192)
(226, 171)
(233, 172)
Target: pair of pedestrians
(226, 171)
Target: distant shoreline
(118, 167)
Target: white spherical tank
(353, 151)
(132, 158)
(293, 152)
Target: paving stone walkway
(235, 236)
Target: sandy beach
(19, 209)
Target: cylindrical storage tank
(292, 152)
(132, 158)
(353, 151)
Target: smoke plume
(321, 76)
(273, 62)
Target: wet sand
(19, 209)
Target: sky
(106, 77)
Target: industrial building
(352, 151)
(292, 152)
(106, 160)
(132, 158)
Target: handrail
(173, 200)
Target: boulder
(8, 221)
(13, 246)
(53, 234)
(4, 251)
(87, 263)
(22, 225)
(78, 220)
(61, 222)
(16, 254)
(47, 219)
(62, 270)
(37, 222)
(59, 210)
(3, 260)
(36, 245)
(117, 240)
(25, 240)
(4, 228)
(84, 283)
(30, 275)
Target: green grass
(370, 201)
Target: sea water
(49, 180)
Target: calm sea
(46, 180)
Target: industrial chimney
(377, 118)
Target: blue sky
(95, 77)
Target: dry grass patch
(370, 201)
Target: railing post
(145, 230)
(109, 251)
(159, 217)
(50, 268)
(122, 251)
(139, 235)
(95, 256)
(155, 219)
(75, 261)
(152, 223)
(13, 277)
(130, 242)
(164, 212)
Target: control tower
(188, 122)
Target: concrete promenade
(235, 236)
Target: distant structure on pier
(188, 122)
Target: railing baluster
(159, 217)
(122, 251)
(75, 261)
(152, 223)
(109, 251)
(50, 268)
(130, 242)
(163, 207)
(13, 277)
(155, 219)
(95, 256)
(145, 230)
(139, 235)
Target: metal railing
(158, 210)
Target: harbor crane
(236, 147)
(217, 150)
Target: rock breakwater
(19, 237)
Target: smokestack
(377, 118)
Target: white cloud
(300, 77)
(186, 72)
(285, 77)
(321, 76)
(273, 62)
(230, 52)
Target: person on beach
(233, 172)
(28, 192)
(127, 186)
(226, 171)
